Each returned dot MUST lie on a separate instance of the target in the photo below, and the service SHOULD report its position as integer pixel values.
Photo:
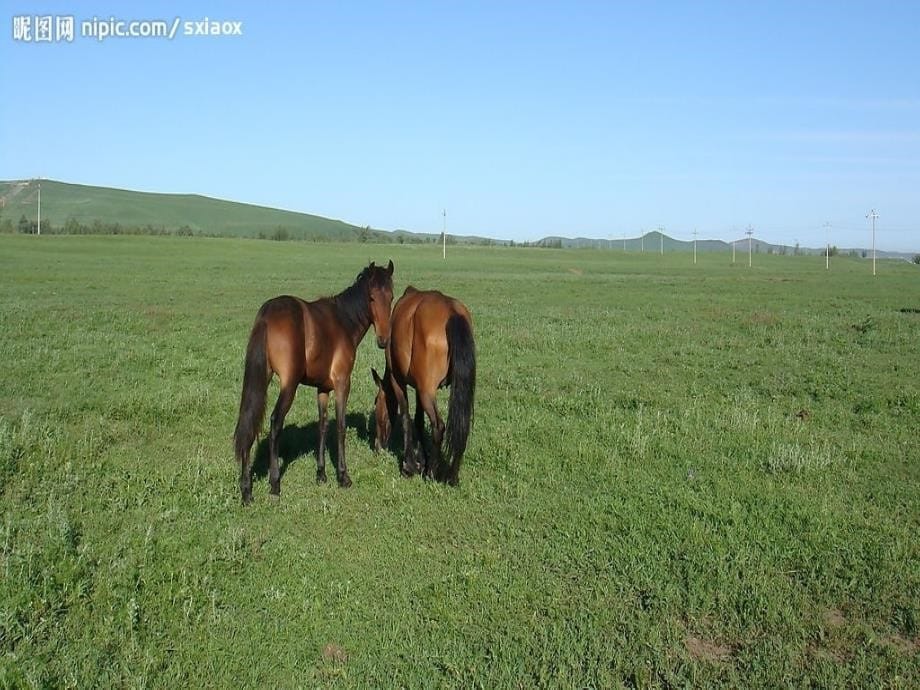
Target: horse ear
(372, 265)
(377, 378)
(390, 267)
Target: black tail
(255, 386)
(462, 354)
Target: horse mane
(352, 303)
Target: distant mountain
(87, 205)
(654, 241)
(84, 208)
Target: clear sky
(522, 119)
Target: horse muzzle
(382, 342)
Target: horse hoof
(344, 481)
(321, 476)
(274, 498)
(247, 500)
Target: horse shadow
(295, 442)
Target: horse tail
(462, 360)
(255, 387)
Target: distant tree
(281, 234)
(364, 234)
(916, 258)
(25, 227)
(863, 253)
(6, 226)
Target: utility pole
(643, 242)
(694, 246)
(827, 248)
(661, 238)
(624, 242)
(873, 215)
(733, 251)
(38, 228)
(749, 232)
(444, 235)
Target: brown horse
(314, 344)
(431, 346)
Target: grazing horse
(314, 344)
(431, 346)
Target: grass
(678, 475)
(169, 212)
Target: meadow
(678, 475)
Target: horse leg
(245, 479)
(410, 464)
(322, 402)
(420, 429)
(285, 399)
(341, 397)
(428, 401)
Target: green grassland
(678, 475)
(168, 212)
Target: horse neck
(354, 312)
(389, 390)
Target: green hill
(170, 212)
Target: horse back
(419, 349)
(306, 341)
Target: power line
(749, 232)
(873, 215)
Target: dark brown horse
(314, 344)
(431, 346)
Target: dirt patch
(833, 618)
(902, 644)
(334, 653)
(575, 271)
(764, 318)
(706, 650)
(836, 656)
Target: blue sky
(523, 119)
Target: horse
(314, 344)
(431, 346)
